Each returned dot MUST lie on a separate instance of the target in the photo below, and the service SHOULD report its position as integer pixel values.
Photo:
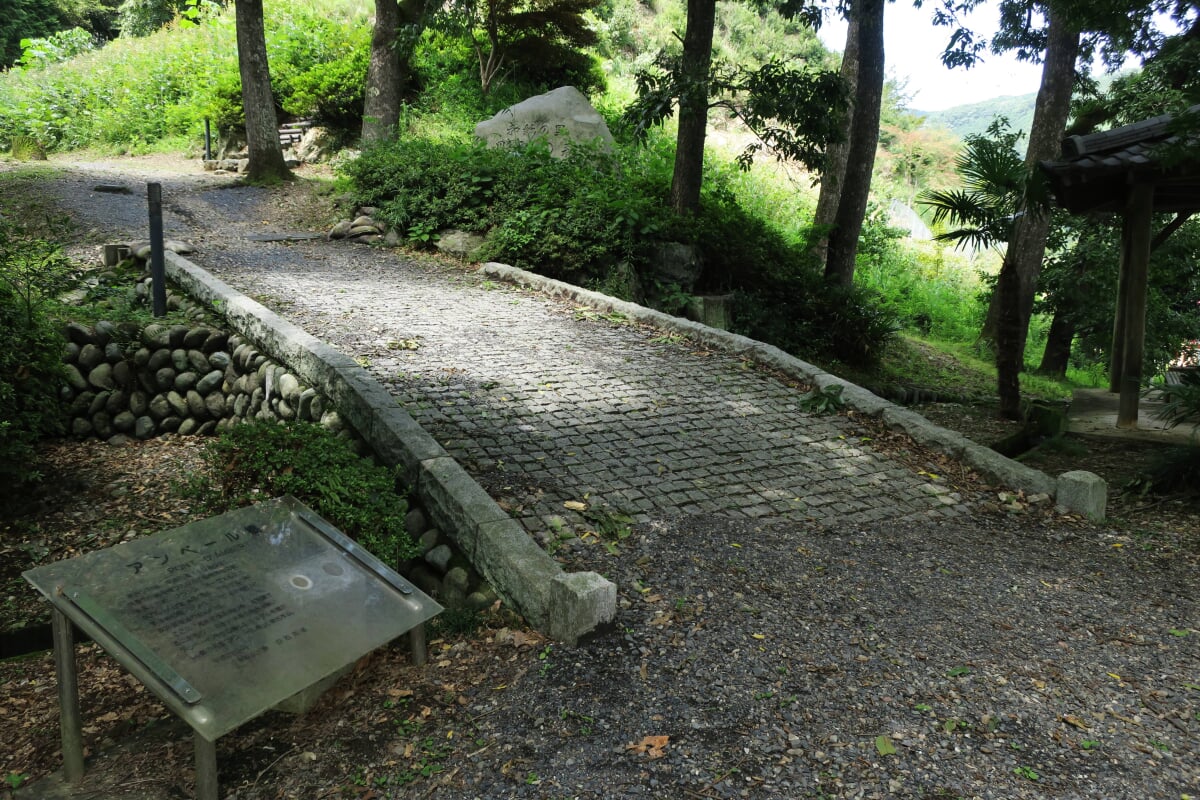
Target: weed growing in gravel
(13, 780)
(823, 401)
(1028, 773)
(544, 657)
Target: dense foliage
(39, 19)
(32, 272)
(1080, 276)
(255, 461)
(135, 93)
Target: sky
(912, 52)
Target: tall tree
(795, 112)
(532, 36)
(262, 125)
(1072, 28)
(693, 106)
(1169, 82)
(381, 107)
(864, 137)
(1017, 283)
(833, 176)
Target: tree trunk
(398, 24)
(262, 126)
(864, 136)
(833, 176)
(1026, 246)
(1053, 106)
(1057, 355)
(381, 110)
(693, 106)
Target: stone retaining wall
(177, 379)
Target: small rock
(195, 338)
(415, 522)
(122, 374)
(210, 383)
(124, 421)
(138, 403)
(215, 403)
(158, 359)
(101, 377)
(143, 428)
(198, 361)
(164, 379)
(439, 557)
(195, 404)
(79, 334)
(74, 378)
(185, 381)
(90, 357)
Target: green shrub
(333, 92)
(1175, 470)
(134, 93)
(805, 315)
(32, 272)
(571, 218)
(589, 217)
(256, 461)
(57, 47)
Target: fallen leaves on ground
(652, 746)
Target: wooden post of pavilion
(1129, 340)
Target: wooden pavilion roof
(1095, 171)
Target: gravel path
(804, 611)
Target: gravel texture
(849, 617)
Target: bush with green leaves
(571, 218)
(56, 47)
(804, 314)
(261, 460)
(155, 91)
(32, 273)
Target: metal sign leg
(416, 638)
(206, 769)
(68, 696)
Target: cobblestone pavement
(545, 403)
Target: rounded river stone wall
(176, 379)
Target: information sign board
(226, 617)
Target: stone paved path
(545, 403)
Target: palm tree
(994, 183)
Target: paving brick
(572, 405)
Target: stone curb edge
(1075, 492)
(565, 606)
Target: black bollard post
(158, 278)
(207, 141)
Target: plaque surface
(226, 617)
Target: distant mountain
(975, 117)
